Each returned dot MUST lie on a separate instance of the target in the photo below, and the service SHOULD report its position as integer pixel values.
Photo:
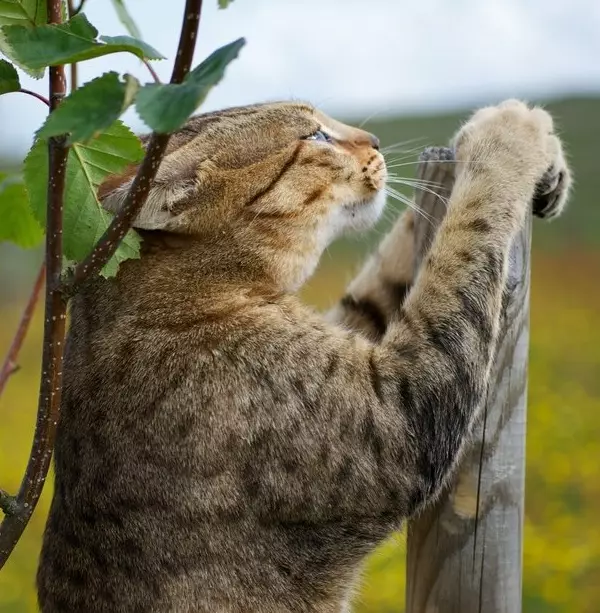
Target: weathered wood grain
(465, 553)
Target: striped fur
(224, 449)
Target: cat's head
(283, 176)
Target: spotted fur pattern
(222, 448)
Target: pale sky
(356, 58)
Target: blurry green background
(562, 531)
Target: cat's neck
(231, 258)
(178, 279)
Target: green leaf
(85, 220)
(223, 4)
(127, 43)
(126, 19)
(7, 51)
(26, 13)
(9, 79)
(29, 13)
(91, 108)
(18, 223)
(67, 43)
(166, 107)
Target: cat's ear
(164, 207)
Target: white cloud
(358, 57)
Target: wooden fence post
(465, 552)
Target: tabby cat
(222, 448)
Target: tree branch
(35, 95)
(138, 193)
(26, 500)
(10, 362)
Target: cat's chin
(363, 215)
(354, 217)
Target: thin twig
(73, 10)
(26, 500)
(152, 71)
(140, 188)
(35, 95)
(10, 362)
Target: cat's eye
(319, 135)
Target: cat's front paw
(511, 144)
(552, 190)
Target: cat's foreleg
(377, 293)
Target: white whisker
(369, 117)
(408, 202)
(466, 163)
(396, 179)
(412, 181)
(402, 144)
(393, 163)
(401, 158)
(425, 188)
